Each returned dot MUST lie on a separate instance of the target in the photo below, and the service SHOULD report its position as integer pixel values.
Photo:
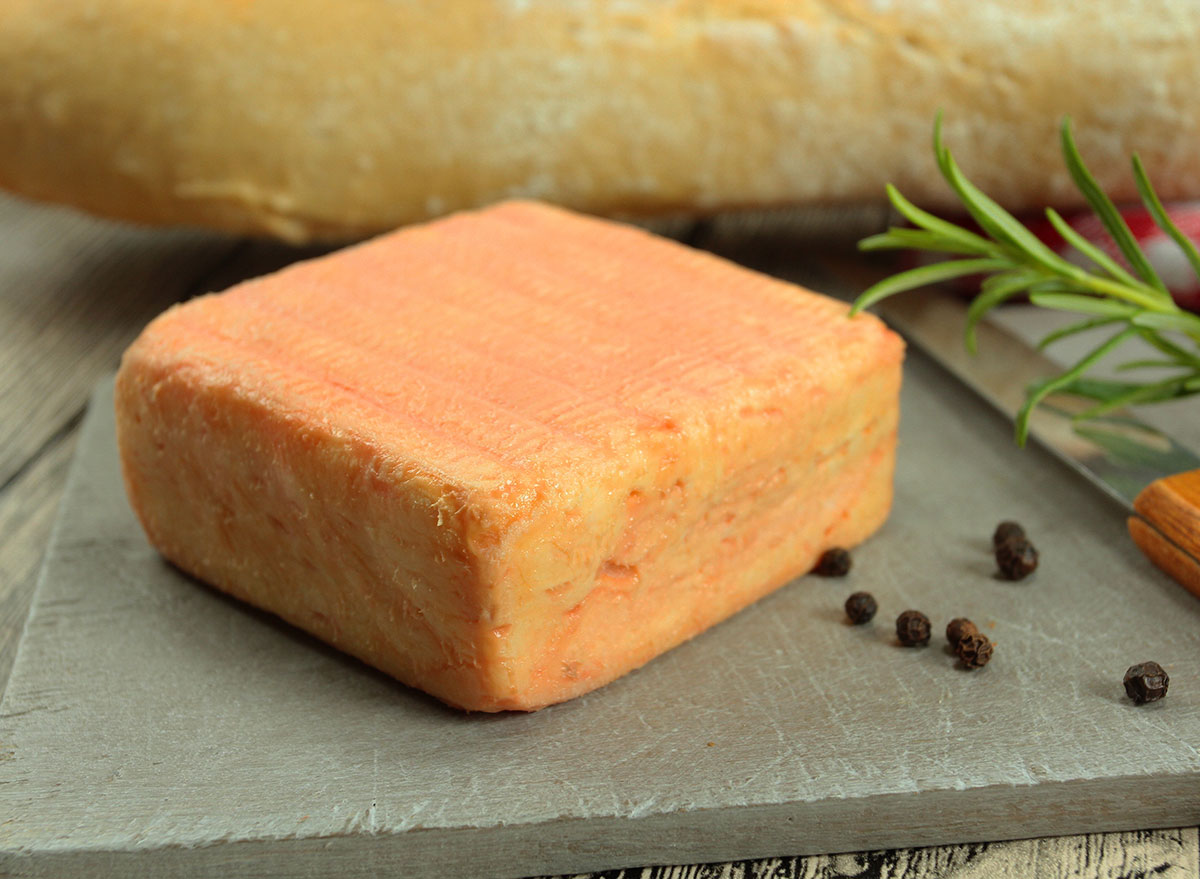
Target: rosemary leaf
(1150, 364)
(1044, 389)
(923, 277)
(1106, 210)
(1150, 199)
(1181, 321)
(1166, 346)
(1152, 393)
(967, 241)
(998, 222)
(1097, 388)
(996, 290)
(1091, 251)
(1072, 329)
(918, 239)
(1083, 304)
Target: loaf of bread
(335, 119)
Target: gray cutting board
(152, 724)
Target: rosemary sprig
(1134, 302)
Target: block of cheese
(510, 455)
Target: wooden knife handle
(1172, 506)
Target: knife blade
(1153, 476)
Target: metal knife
(1152, 475)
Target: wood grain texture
(1172, 506)
(1167, 556)
(27, 508)
(73, 293)
(1158, 854)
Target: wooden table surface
(74, 291)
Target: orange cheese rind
(510, 455)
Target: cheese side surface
(510, 455)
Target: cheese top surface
(495, 348)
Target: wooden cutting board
(152, 724)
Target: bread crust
(305, 119)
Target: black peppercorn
(1016, 558)
(1005, 530)
(958, 629)
(974, 650)
(833, 563)
(861, 607)
(1146, 682)
(912, 628)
